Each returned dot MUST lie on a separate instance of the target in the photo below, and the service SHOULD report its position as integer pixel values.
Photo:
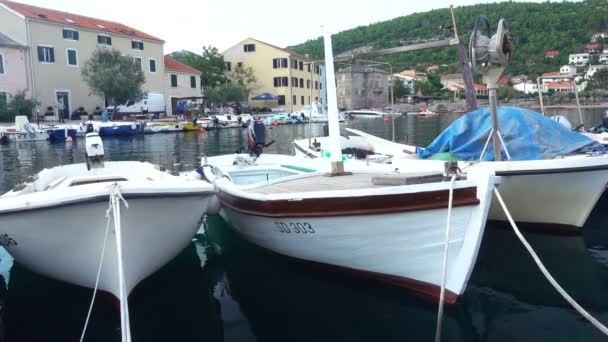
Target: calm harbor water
(221, 288)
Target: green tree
(113, 76)
(210, 63)
(19, 104)
(399, 90)
(599, 80)
(244, 77)
(425, 87)
(507, 93)
(221, 95)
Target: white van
(154, 101)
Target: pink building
(13, 68)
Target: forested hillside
(535, 29)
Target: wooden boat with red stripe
(362, 224)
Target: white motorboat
(55, 223)
(359, 146)
(379, 224)
(555, 195)
(365, 113)
(24, 131)
(314, 113)
(163, 127)
(391, 233)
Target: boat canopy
(527, 134)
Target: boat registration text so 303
(294, 227)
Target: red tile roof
(504, 80)
(559, 85)
(592, 46)
(76, 20)
(551, 74)
(295, 54)
(452, 77)
(552, 53)
(173, 65)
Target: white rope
(444, 270)
(546, 273)
(103, 252)
(125, 325)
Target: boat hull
(71, 246)
(120, 130)
(60, 134)
(398, 240)
(554, 195)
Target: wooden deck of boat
(324, 183)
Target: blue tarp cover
(528, 135)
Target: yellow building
(281, 72)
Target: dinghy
(55, 222)
(24, 131)
(378, 224)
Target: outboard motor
(256, 136)
(90, 128)
(94, 151)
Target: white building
(578, 59)
(569, 70)
(593, 69)
(598, 35)
(529, 87)
(604, 57)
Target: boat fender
(133, 126)
(213, 205)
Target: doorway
(63, 97)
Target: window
(308, 67)
(316, 69)
(103, 39)
(316, 84)
(227, 66)
(249, 47)
(301, 83)
(239, 64)
(72, 57)
(321, 85)
(70, 34)
(3, 100)
(137, 45)
(152, 65)
(281, 100)
(301, 66)
(173, 81)
(302, 100)
(2, 70)
(279, 63)
(308, 84)
(294, 100)
(138, 61)
(281, 82)
(316, 98)
(46, 54)
(294, 82)
(294, 64)
(192, 81)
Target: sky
(192, 24)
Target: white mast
(337, 166)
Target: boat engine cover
(94, 146)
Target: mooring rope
(103, 252)
(446, 246)
(546, 273)
(114, 208)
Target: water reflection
(174, 304)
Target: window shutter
(274, 64)
(109, 39)
(141, 45)
(76, 35)
(52, 54)
(40, 54)
(65, 34)
(98, 39)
